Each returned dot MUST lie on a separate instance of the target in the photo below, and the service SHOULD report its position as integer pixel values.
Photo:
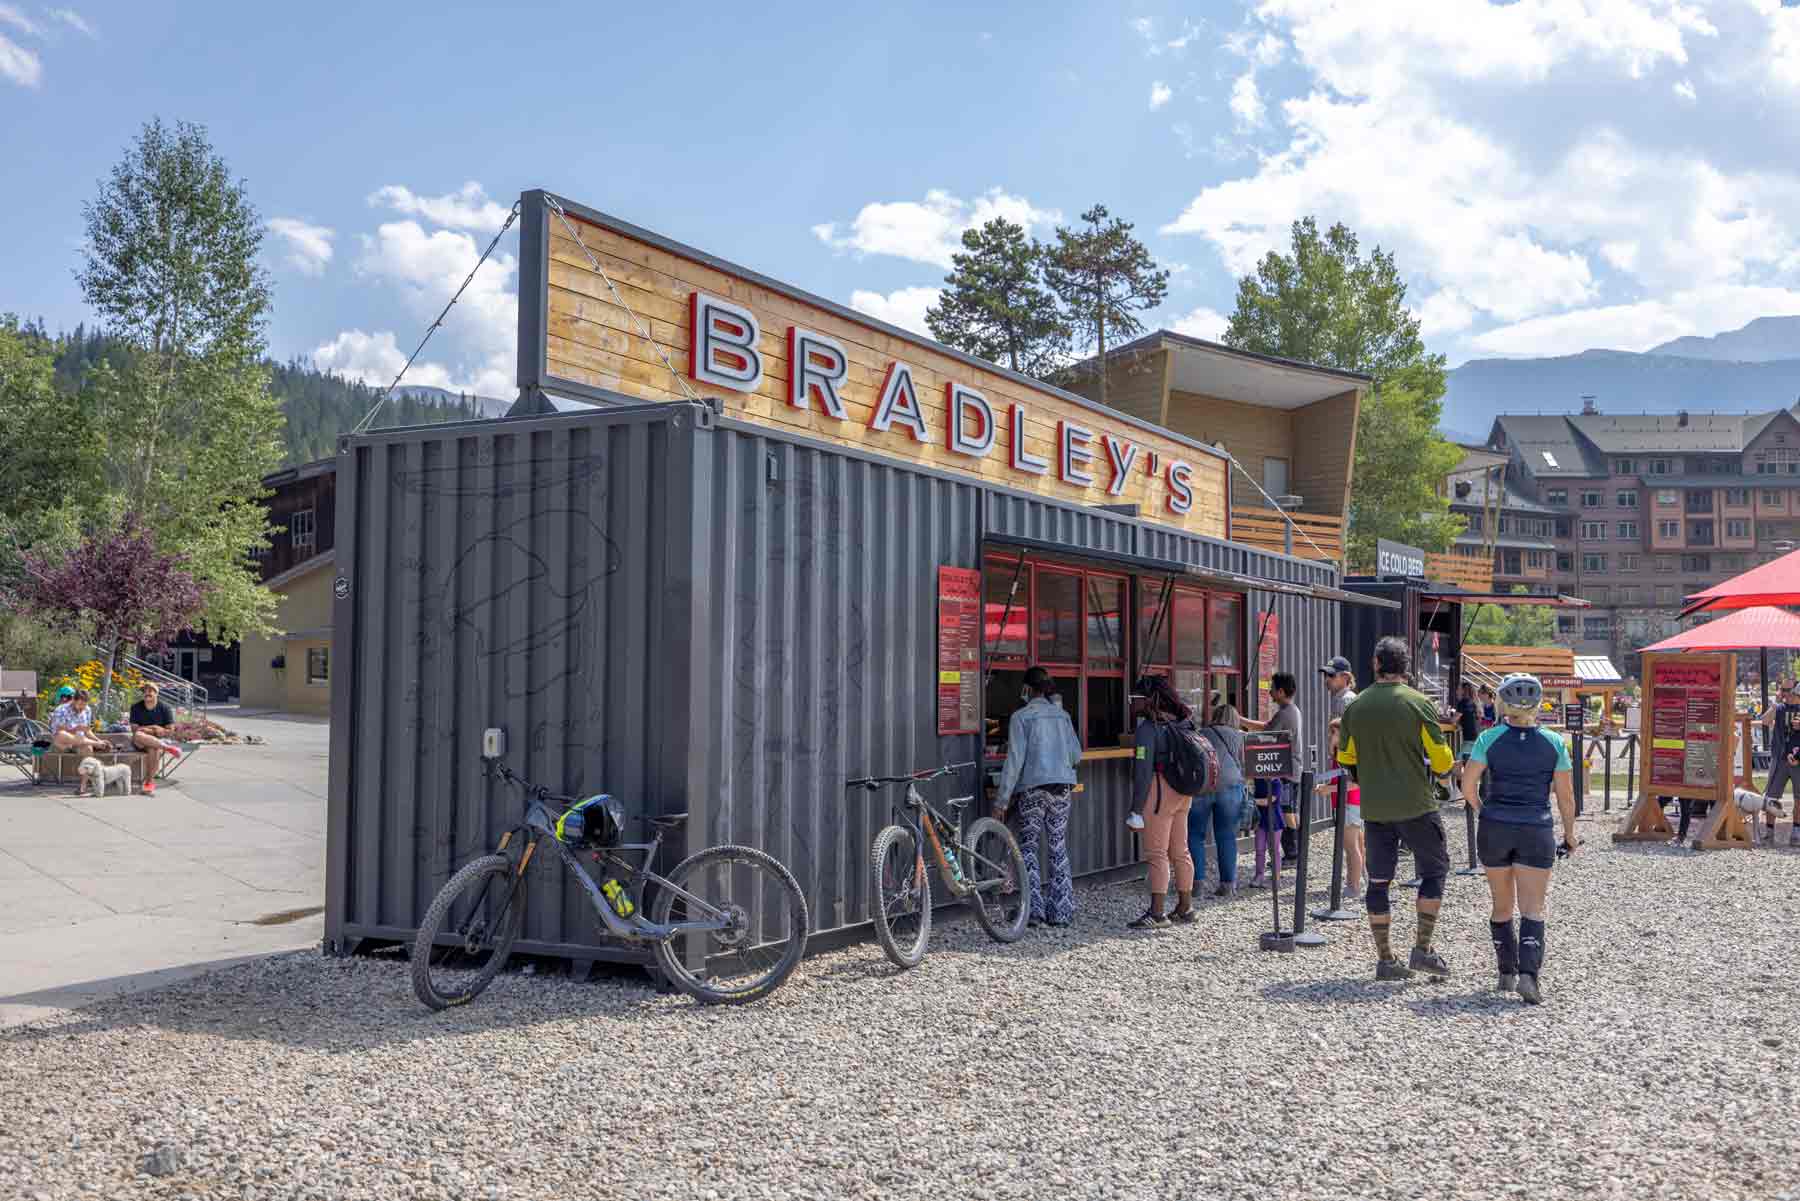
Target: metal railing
(177, 693)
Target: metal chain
(1273, 505)
(643, 328)
(432, 329)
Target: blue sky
(1553, 174)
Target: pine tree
(1104, 276)
(996, 305)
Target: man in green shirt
(1393, 746)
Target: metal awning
(1597, 669)
(1464, 597)
(1199, 575)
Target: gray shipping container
(693, 614)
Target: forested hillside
(319, 407)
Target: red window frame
(1079, 669)
(1150, 590)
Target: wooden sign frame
(1646, 821)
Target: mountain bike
(986, 867)
(727, 925)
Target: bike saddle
(668, 821)
(958, 802)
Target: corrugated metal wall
(723, 620)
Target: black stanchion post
(1581, 770)
(1474, 868)
(1301, 937)
(1277, 939)
(1606, 777)
(1336, 912)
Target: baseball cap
(65, 693)
(1336, 666)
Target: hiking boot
(1509, 982)
(1391, 969)
(1429, 962)
(1528, 990)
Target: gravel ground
(1093, 1062)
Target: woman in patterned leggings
(1041, 753)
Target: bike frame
(929, 825)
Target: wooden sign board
(778, 356)
(1686, 747)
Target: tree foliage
(1513, 625)
(1326, 302)
(49, 445)
(1104, 277)
(190, 424)
(996, 305)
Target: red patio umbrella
(1761, 628)
(1774, 583)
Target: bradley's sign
(780, 357)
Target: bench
(58, 767)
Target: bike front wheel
(996, 872)
(900, 896)
(765, 925)
(468, 932)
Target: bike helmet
(1520, 695)
(598, 821)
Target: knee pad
(1377, 897)
(1431, 888)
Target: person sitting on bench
(152, 723)
(72, 724)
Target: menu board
(959, 651)
(1268, 660)
(1687, 736)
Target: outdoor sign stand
(1302, 936)
(1336, 911)
(1279, 939)
(1688, 730)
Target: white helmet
(1520, 695)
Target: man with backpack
(1173, 764)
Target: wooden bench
(56, 767)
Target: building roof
(1735, 480)
(1505, 542)
(301, 471)
(303, 568)
(1214, 369)
(1549, 446)
(1597, 669)
(1664, 433)
(1511, 499)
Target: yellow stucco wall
(305, 610)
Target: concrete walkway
(102, 896)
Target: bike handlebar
(930, 773)
(536, 792)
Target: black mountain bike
(728, 924)
(987, 867)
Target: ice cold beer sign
(724, 337)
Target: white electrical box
(493, 743)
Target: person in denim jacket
(1039, 778)
(1220, 811)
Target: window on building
(1659, 467)
(1536, 560)
(1737, 527)
(1506, 524)
(1628, 562)
(301, 529)
(1599, 594)
(1737, 498)
(1593, 563)
(1474, 522)
(318, 665)
(1699, 500)
(1696, 563)
(1731, 562)
(259, 553)
(1565, 561)
(1596, 629)
(1624, 466)
(1511, 563)
(1556, 496)
(1778, 461)
(1626, 500)
(1665, 564)
(1593, 531)
(1628, 594)
(1668, 531)
(1667, 496)
(1565, 625)
(1562, 527)
(1772, 498)
(1700, 533)
(1665, 594)
(1275, 477)
(1593, 500)
(1628, 531)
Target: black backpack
(1191, 764)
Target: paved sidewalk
(109, 895)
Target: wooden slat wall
(1477, 575)
(591, 340)
(1266, 529)
(1538, 660)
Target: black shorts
(1422, 835)
(1508, 844)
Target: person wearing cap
(1340, 685)
(1524, 763)
(151, 724)
(72, 724)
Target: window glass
(1190, 686)
(1190, 628)
(1056, 614)
(1002, 698)
(1226, 633)
(1230, 687)
(1105, 710)
(1152, 612)
(996, 584)
(1105, 623)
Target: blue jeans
(1220, 812)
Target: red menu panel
(959, 651)
(1685, 738)
(1268, 661)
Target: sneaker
(149, 787)
(1258, 882)
(1134, 821)
(1146, 920)
(1509, 982)
(1184, 919)
(1227, 889)
(1528, 990)
(1391, 969)
(1429, 962)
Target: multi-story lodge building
(1630, 512)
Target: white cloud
(75, 21)
(1444, 313)
(1159, 95)
(1262, 51)
(18, 64)
(308, 246)
(1246, 101)
(904, 307)
(1155, 44)
(928, 231)
(1640, 325)
(1684, 88)
(466, 208)
(11, 15)
(1202, 323)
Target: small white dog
(96, 779)
(1753, 805)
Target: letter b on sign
(722, 337)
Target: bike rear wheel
(997, 872)
(765, 937)
(900, 896)
(468, 932)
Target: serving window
(1072, 620)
